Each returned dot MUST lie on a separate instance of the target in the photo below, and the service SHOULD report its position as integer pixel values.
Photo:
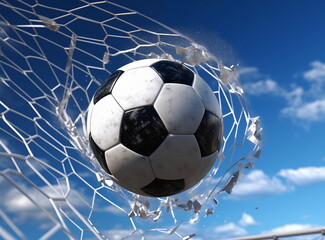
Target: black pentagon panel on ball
(164, 188)
(173, 72)
(209, 134)
(99, 154)
(142, 130)
(107, 86)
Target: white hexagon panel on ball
(131, 170)
(105, 121)
(180, 108)
(175, 157)
(207, 96)
(137, 87)
(139, 64)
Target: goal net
(53, 57)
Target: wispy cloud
(154, 234)
(253, 72)
(117, 234)
(267, 86)
(303, 104)
(257, 183)
(316, 73)
(24, 206)
(311, 111)
(228, 230)
(289, 227)
(15, 201)
(115, 210)
(292, 227)
(247, 220)
(304, 176)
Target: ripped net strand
(53, 56)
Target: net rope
(53, 57)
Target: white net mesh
(53, 56)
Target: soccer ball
(155, 127)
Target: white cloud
(153, 234)
(228, 230)
(292, 227)
(310, 111)
(30, 204)
(294, 96)
(247, 220)
(308, 105)
(254, 83)
(117, 234)
(115, 210)
(304, 176)
(249, 72)
(316, 73)
(5, 162)
(258, 88)
(256, 183)
(15, 201)
(303, 104)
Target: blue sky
(279, 46)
